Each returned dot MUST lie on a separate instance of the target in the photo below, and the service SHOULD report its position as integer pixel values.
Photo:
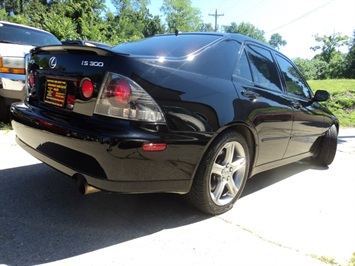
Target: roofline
(231, 35)
(23, 26)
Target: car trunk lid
(67, 78)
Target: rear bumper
(110, 160)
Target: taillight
(31, 79)
(70, 101)
(121, 97)
(118, 92)
(12, 65)
(87, 88)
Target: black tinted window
(167, 45)
(294, 81)
(263, 67)
(242, 68)
(26, 36)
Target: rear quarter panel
(196, 93)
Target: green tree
(350, 59)
(312, 69)
(87, 17)
(133, 21)
(180, 15)
(337, 66)
(329, 45)
(14, 7)
(246, 29)
(276, 41)
(207, 27)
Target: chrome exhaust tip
(83, 186)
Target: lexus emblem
(52, 62)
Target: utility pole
(215, 19)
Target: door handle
(296, 105)
(251, 95)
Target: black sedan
(193, 113)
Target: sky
(297, 21)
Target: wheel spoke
(217, 193)
(238, 164)
(217, 169)
(229, 152)
(232, 188)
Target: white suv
(15, 42)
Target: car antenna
(177, 32)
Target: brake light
(87, 88)
(70, 101)
(118, 92)
(121, 97)
(31, 79)
(12, 65)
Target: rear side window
(242, 68)
(294, 81)
(167, 45)
(263, 67)
(26, 36)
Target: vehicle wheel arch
(247, 133)
(216, 192)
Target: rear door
(257, 81)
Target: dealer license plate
(56, 91)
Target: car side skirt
(278, 163)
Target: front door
(258, 84)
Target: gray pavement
(294, 215)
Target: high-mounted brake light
(87, 88)
(121, 97)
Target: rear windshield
(167, 45)
(26, 36)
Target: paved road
(293, 215)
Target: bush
(342, 98)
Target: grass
(332, 261)
(5, 127)
(342, 98)
(352, 260)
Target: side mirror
(321, 96)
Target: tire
(327, 147)
(221, 175)
(4, 111)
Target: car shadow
(44, 218)
(343, 139)
(271, 177)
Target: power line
(300, 17)
(215, 19)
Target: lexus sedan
(192, 113)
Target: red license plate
(56, 91)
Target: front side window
(263, 67)
(295, 83)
